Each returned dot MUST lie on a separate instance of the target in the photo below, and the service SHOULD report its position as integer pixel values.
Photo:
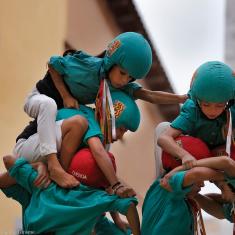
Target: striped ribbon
(105, 113)
(199, 227)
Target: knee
(79, 123)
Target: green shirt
(82, 73)
(62, 210)
(193, 122)
(88, 113)
(167, 212)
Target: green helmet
(127, 113)
(213, 82)
(132, 52)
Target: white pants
(30, 148)
(161, 127)
(44, 109)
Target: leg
(44, 109)
(73, 130)
(133, 219)
(157, 149)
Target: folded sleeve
(130, 88)
(24, 174)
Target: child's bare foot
(59, 175)
(9, 161)
(62, 178)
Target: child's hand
(188, 161)
(70, 102)
(164, 184)
(43, 178)
(124, 191)
(183, 98)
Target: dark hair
(101, 55)
(69, 52)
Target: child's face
(118, 77)
(212, 110)
(120, 131)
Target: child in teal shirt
(125, 109)
(62, 211)
(76, 78)
(206, 114)
(169, 206)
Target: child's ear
(9, 161)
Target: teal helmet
(127, 113)
(132, 52)
(213, 82)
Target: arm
(105, 164)
(192, 176)
(167, 142)
(159, 97)
(212, 204)
(123, 225)
(69, 101)
(42, 179)
(222, 163)
(199, 174)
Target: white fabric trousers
(161, 127)
(30, 148)
(44, 109)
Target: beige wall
(30, 31)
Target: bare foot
(62, 178)
(8, 161)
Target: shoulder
(190, 106)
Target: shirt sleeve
(130, 88)
(186, 119)
(58, 63)
(176, 183)
(93, 127)
(24, 174)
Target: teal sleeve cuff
(57, 63)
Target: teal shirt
(93, 129)
(82, 73)
(62, 210)
(227, 207)
(193, 122)
(167, 212)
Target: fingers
(42, 181)
(189, 164)
(164, 184)
(124, 192)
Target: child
(215, 204)
(76, 78)
(125, 109)
(208, 115)
(80, 207)
(169, 207)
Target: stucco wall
(30, 31)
